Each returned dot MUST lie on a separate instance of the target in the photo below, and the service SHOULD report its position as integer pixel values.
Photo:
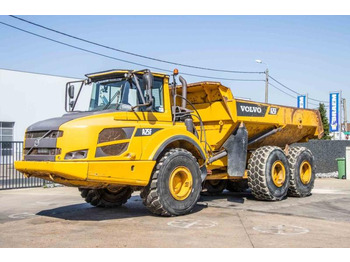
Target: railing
(10, 178)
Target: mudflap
(204, 173)
(236, 146)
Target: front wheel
(175, 184)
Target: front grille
(41, 145)
(43, 151)
(47, 134)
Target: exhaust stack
(184, 91)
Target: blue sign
(334, 112)
(301, 101)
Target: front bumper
(90, 174)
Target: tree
(325, 123)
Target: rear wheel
(215, 186)
(106, 197)
(302, 171)
(268, 173)
(175, 184)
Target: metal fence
(10, 178)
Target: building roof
(36, 73)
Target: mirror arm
(65, 98)
(75, 102)
(139, 88)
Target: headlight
(81, 154)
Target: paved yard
(58, 217)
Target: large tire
(237, 185)
(105, 197)
(302, 171)
(161, 197)
(214, 187)
(268, 173)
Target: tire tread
(150, 196)
(256, 173)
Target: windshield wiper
(110, 101)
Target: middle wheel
(175, 184)
(215, 186)
(268, 173)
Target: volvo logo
(251, 109)
(36, 142)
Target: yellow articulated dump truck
(128, 131)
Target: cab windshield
(119, 94)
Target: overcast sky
(309, 54)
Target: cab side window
(157, 93)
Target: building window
(6, 135)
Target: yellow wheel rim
(305, 172)
(180, 183)
(278, 173)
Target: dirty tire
(260, 173)
(296, 156)
(156, 195)
(106, 198)
(214, 187)
(237, 185)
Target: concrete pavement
(59, 217)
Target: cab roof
(117, 73)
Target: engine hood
(55, 123)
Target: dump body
(221, 114)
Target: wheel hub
(114, 189)
(214, 182)
(180, 183)
(305, 172)
(278, 173)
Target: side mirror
(71, 91)
(147, 81)
(71, 104)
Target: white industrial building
(26, 98)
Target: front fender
(154, 145)
(178, 138)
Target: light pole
(266, 79)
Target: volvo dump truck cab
(127, 130)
